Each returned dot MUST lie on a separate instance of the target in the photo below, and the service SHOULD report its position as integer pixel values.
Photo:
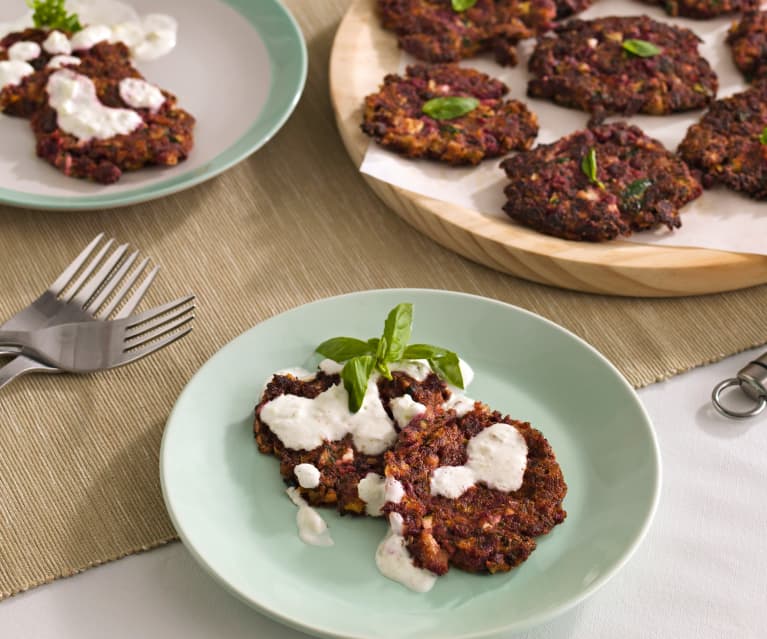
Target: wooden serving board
(363, 53)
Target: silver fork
(86, 347)
(83, 299)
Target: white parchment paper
(719, 219)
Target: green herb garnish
(763, 136)
(632, 197)
(462, 5)
(589, 167)
(449, 108)
(53, 15)
(641, 48)
(363, 357)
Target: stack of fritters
(165, 137)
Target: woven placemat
(79, 478)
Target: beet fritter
(637, 185)
(394, 116)
(729, 144)
(748, 40)
(483, 530)
(432, 30)
(567, 8)
(100, 63)
(584, 65)
(703, 9)
(340, 464)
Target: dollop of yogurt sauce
(81, 113)
(496, 456)
(312, 528)
(394, 560)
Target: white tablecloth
(701, 573)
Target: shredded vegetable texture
(52, 14)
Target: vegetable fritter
(622, 65)
(483, 530)
(748, 40)
(433, 31)
(729, 144)
(566, 8)
(340, 464)
(395, 116)
(598, 184)
(703, 9)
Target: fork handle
(9, 351)
(20, 366)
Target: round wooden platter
(363, 53)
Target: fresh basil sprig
(363, 357)
(589, 167)
(463, 5)
(641, 48)
(53, 15)
(763, 136)
(450, 107)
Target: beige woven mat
(79, 455)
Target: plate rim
(529, 622)
(290, 78)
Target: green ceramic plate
(228, 501)
(239, 68)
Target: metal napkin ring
(752, 380)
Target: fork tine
(113, 282)
(69, 272)
(157, 311)
(137, 295)
(102, 277)
(88, 270)
(131, 356)
(157, 323)
(157, 332)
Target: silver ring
(727, 412)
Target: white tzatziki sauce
(139, 94)
(308, 475)
(12, 72)
(404, 409)
(57, 43)
(58, 61)
(303, 424)
(371, 489)
(497, 457)
(394, 560)
(24, 51)
(459, 403)
(80, 113)
(312, 528)
(331, 367)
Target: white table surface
(700, 573)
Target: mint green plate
(239, 68)
(229, 507)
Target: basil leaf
(589, 167)
(763, 136)
(342, 349)
(424, 351)
(449, 107)
(373, 343)
(641, 48)
(462, 5)
(53, 14)
(355, 374)
(396, 333)
(448, 368)
(632, 198)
